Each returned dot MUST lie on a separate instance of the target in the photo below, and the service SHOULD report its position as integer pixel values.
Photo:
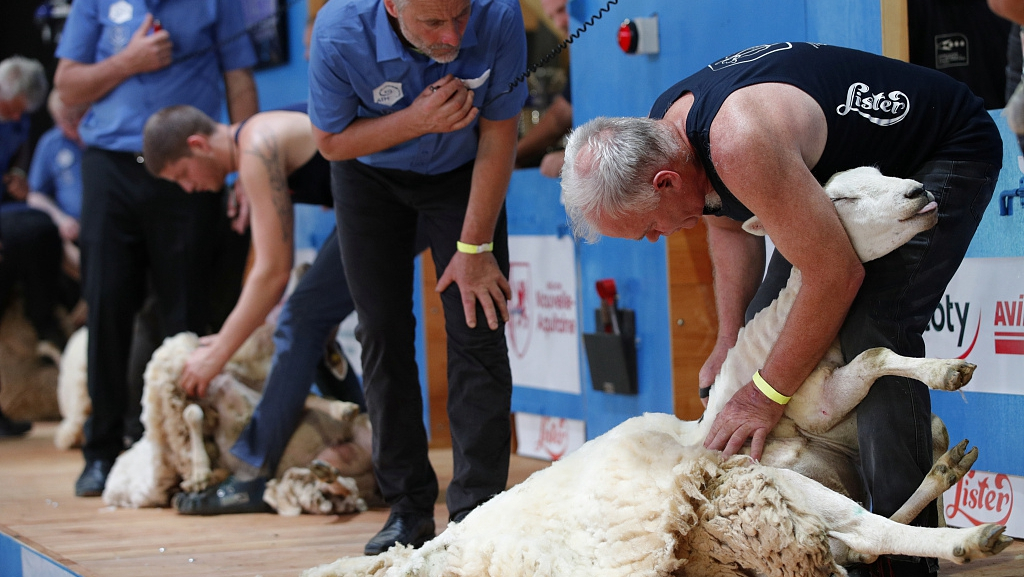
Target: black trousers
(31, 253)
(137, 228)
(379, 212)
(895, 302)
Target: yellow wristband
(769, 391)
(474, 248)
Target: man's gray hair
(20, 76)
(609, 169)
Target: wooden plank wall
(694, 321)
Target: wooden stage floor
(38, 508)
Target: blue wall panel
(993, 422)
(288, 83)
(1002, 236)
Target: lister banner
(981, 319)
(982, 497)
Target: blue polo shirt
(208, 38)
(358, 68)
(57, 171)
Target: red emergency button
(628, 37)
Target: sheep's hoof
(985, 541)
(343, 411)
(958, 374)
(324, 471)
(954, 464)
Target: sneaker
(231, 496)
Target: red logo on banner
(1009, 314)
(519, 327)
(554, 437)
(983, 498)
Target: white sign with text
(548, 438)
(981, 319)
(543, 332)
(982, 497)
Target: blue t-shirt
(359, 68)
(208, 38)
(57, 171)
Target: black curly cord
(555, 51)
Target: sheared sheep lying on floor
(645, 499)
(186, 442)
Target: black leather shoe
(10, 429)
(92, 480)
(402, 528)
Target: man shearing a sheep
(278, 165)
(757, 133)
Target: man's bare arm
(553, 124)
(763, 153)
(738, 260)
(240, 88)
(262, 171)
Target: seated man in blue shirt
(55, 187)
(410, 100)
(23, 87)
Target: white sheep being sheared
(186, 442)
(646, 499)
(73, 392)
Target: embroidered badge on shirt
(388, 93)
(65, 158)
(120, 12)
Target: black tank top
(309, 183)
(879, 111)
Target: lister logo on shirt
(879, 107)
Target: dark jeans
(378, 213)
(136, 227)
(895, 302)
(31, 254)
(319, 302)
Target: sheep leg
(871, 535)
(341, 411)
(199, 478)
(825, 400)
(946, 472)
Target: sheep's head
(880, 213)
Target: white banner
(981, 319)
(548, 438)
(982, 497)
(542, 331)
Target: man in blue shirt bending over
(410, 100)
